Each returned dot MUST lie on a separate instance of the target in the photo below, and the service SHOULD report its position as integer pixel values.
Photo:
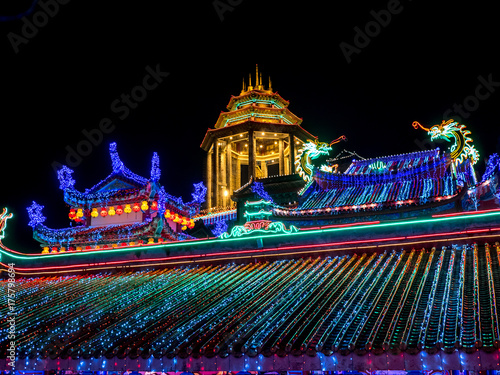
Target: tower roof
(256, 108)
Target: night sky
(366, 70)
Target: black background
(64, 79)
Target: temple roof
(401, 301)
(82, 235)
(395, 181)
(213, 134)
(259, 97)
(256, 108)
(259, 113)
(394, 163)
(120, 184)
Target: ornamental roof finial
(115, 159)
(243, 88)
(256, 76)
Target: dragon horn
(417, 124)
(341, 138)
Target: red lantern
(72, 214)
(136, 207)
(119, 210)
(104, 213)
(154, 205)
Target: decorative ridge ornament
(312, 150)
(65, 179)
(155, 168)
(116, 163)
(35, 214)
(200, 193)
(462, 148)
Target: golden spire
(249, 88)
(256, 76)
(243, 88)
(270, 88)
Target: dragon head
(452, 131)
(315, 149)
(442, 131)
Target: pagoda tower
(257, 137)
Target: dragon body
(312, 150)
(462, 148)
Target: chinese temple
(387, 265)
(124, 208)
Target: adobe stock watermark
(483, 91)
(362, 37)
(121, 107)
(223, 6)
(11, 316)
(460, 111)
(32, 25)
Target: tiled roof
(394, 162)
(400, 301)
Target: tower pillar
(292, 153)
(251, 155)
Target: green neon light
(252, 114)
(257, 203)
(270, 101)
(378, 165)
(211, 241)
(259, 213)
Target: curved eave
(213, 134)
(277, 111)
(41, 232)
(256, 93)
(366, 210)
(80, 235)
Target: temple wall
(459, 360)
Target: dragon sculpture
(3, 222)
(462, 149)
(310, 151)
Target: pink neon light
(433, 235)
(351, 224)
(252, 251)
(110, 263)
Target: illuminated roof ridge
(118, 169)
(434, 152)
(412, 157)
